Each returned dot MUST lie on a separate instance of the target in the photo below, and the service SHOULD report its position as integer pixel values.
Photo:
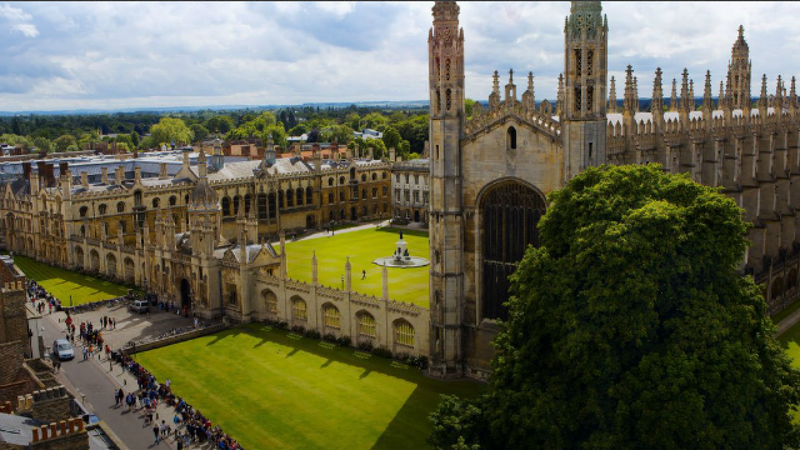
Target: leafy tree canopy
(630, 327)
(169, 130)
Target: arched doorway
(510, 213)
(416, 216)
(186, 297)
(353, 215)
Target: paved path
(90, 383)
(788, 322)
(323, 234)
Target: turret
(612, 97)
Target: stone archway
(130, 270)
(94, 260)
(186, 293)
(510, 212)
(79, 257)
(111, 265)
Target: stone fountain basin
(390, 262)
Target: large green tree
(169, 130)
(630, 327)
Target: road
(88, 381)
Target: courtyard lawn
(64, 283)
(269, 388)
(363, 247)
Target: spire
(708, 101)
(628, 103)
(793, 92)
(560, 96)
(721, 98)
(763, 101)
(496, 83)
(673, 99)
(635, 94)
(685, 92)
(657, 103)
(529, 97)
(691, 95)
(612, 96)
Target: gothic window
(449, 100)
(272, 206)
(299, 310)
(300, 196)
(447, 70)
(280, 199)
(385, 190)
(341, 180)
(248, 201)
(332, 317)
(589, 96)
(383, 175)
(438, 104)
(137, 198)
(374, 176)
(512, 138)
(363, 177)
(120, 207)
(404, 334)
(226, 205)
(578, 105)
(289, 198)
(236, 201)
(122, 225)
(156, 202)
(83, 211)
(172, 200)
(589, 62)
(374, 192)
(578, 62)
(367, 326)
(309, 196)
(511, 213)
(102, 209)
(330, 198)
(263, 212)
(330, 181)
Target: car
(140, 306)
(63, 349)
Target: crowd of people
(197, 429)
(41, 299)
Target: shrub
(365, 345)
(299, 329)
(312, 334)
(344, 341)
(329, 337)
(382, 352)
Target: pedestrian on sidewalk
(157, 435)
(85, 351)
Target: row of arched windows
(404, 333)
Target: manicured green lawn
(363, 247)
(270, 391)
(64, 283)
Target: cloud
(18, 20)
(126, 54)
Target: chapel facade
(491, 173)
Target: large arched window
(309, 196)
(121, 207)
(102, 209)
(270, 301)
(510, 214)
(403, 334)
(300, 196)
(299, 310)
(367, 326)
(83, 211)
(333, 319)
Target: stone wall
(11, 358)
(65, 435)
(51, 404)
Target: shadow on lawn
(410, 420)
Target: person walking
(85, 351)
(156, 434)
(363, 274)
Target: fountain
(401, 258)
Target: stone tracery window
(449, 99)
(366, 325)
(589, 62)
(404, 334)
(578, 62)
(299, 310)
(578, 104)
(332, 317)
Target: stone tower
(585, 73)
(446, 76)
(739, 71)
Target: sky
(96, 55)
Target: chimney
(391, 154)
(62, 168)
(50, 176)
(137, 173)
(162, 173)
(26, 170)
(40, 167)
(104, 175)
(119, 174)
(85, 180)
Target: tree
(298, 130)
(220, 124)
(375, 121)
(169, 130)
(63, 142)
(341, 134)
(135, 139)
(200, 132)
(391, 137)
(630, 326)
(43, 144)
(468, 102)
(457, 422)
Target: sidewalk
(323, 234)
